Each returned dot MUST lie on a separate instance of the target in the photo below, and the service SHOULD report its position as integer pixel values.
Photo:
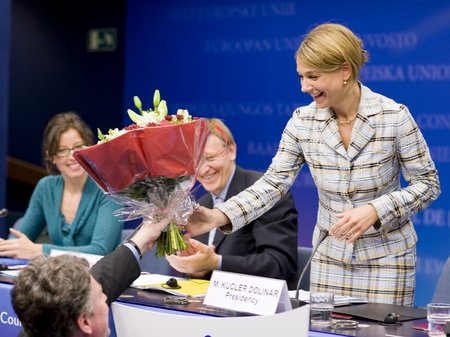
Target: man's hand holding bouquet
(151, 167)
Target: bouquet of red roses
(151, 167)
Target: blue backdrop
(235, 60)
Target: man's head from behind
(220, 156)
(57, 296)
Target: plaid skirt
(390, 279)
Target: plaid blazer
(385, 141)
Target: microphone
(295, 301)
(3, 212)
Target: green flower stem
(170, 241)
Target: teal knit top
(95, 230)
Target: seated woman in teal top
(78, 215)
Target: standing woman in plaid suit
(356, 144)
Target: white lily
(185, 114)
(156, 98)
(133, 115)
(137, 103)
(112, 133)
(149, 117)
(162, 108)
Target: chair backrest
(303, 255)
(156, 265)
(126, 232)
(42, 238)
(16, 227)
(442, 291)
(150, 263)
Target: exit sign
(104, 39)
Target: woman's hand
(354, 223)
(20, 248)
(205, 219)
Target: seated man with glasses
(78, 215)
(266, 247)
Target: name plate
(246, 293)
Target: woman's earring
(345, 82)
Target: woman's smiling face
(326, 88)
(67, 165)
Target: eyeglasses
(65, 152)
(218, 155)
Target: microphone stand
(295, 302)
(3, 212)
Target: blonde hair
(328, 46)
(221, 131)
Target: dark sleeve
(116, 271)
(22, 333)
(274, 240)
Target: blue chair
(43, 237)
(16, 227)
(156, 265)
(442, 291)
(126, 232)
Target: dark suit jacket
(115, 272)
(265, 247)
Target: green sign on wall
(103, 39)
